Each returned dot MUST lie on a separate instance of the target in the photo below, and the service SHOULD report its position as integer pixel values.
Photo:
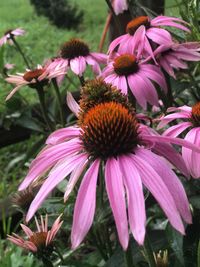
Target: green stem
(21, 52)
(59, 99)
(98, 243)
(128, 257)
(149, 252)
(119, 27)
(40, 92)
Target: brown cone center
(196, 114)
(134, 24)
(74, 48)
(125, 65)
(33, 74)
(108, 130)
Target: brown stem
(105, 30)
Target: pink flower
(172, 56)
(119, 6)
(31, 78)
(11, 34)
(126, 72)
(75, 54)
(109, 137)
(142, 30)
(40, 240)
(191, 117)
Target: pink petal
(51, 156)
(100, 57)
(74, 178)
(72, 104)
(13, 92)
(55, 177)
(85, 205)
(136, 204)
(175, 130)
(26, 230)
(171, 181)
(62, 135)
(78, 65)
(116, 195)
(169, 152)
(136, 87)
(159, 190)
(116, 42)
(159, 36)
(191, 158)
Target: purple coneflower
(172, 56)
(109, 136)
(142, 30)
(31, 78)
(37, 242)
(191, 117)
(124, 72)
(119, 6)
(75, 54)
(8, 35)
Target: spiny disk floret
(134, 24)
(125, 64)
(196, 115)
(97, 91)
(108, 130)
(74, 48)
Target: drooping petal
(171, 181)
(175, 130)
(116, 195)
(85, 205)
(159, 36)
(192, 158)
(136, 204)
(78, 65)
(159, 190)
(47, 159)
(63, 134)
(57, 174)
(72, 104)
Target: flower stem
(59, 99)
(119, 27)
(149, 252)
(21, 52)
(128, 257)
(40, 92)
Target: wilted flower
(10, 34)
(172, 56)
(142, 30)
(75, 54)
(191, 125)
(125, 71)
(31, 78)
(40, 242)
(109, 133)
(161, 258)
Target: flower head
(109, 134)
(32, 78)
(75, 54)
(10, 34)
(190, 125)
(142, 31)
(125, 71)
(172, 56)
(40, 242)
